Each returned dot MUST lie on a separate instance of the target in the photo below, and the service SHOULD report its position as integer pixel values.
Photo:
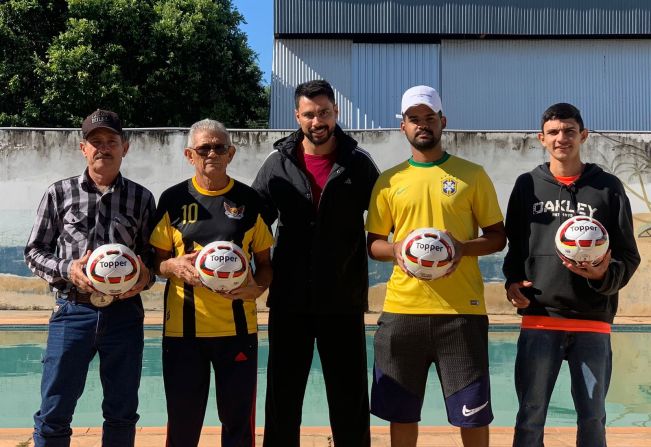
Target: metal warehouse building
(497, 63)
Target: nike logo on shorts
(470, 411)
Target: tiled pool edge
(155, 319)
(38, 319)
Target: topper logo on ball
(220, 258)
(112, 264)
(428, 247)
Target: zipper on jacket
(333, 175)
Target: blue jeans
(76, 333)
(539, 358)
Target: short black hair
(562, 111)
(312, 89)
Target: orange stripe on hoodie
(564, 324)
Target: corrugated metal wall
(296, 61)
(484, 84)
(381, 73)
(369, 79)
(512, 17)
(508, 84)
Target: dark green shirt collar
(429, 164)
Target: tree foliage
(26, 29)
(155, 62)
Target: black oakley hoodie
(537, 207)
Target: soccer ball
(427, 253)
(581, 239)
(222, 266)
(113, 269)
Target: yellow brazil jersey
(451, 194)
(189, 217)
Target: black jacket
(537, 207)
(319, 258)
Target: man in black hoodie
(567, 309)
(317, 185)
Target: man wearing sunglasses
(203, 328)
(317, 184)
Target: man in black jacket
(317, 185)
(567, 308)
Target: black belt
(75, 296)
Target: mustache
(424, 132)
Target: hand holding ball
(581, 239)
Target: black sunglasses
(204, 149)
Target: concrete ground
(320, 437)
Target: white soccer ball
(222, 266)
(581, 239)
(427, 253)
(113, 269)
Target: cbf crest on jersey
(233, 211)
(449, 186)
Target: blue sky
(259, 29)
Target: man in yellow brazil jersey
(442, 321)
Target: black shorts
(405, 348)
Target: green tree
(26, 29)
(155, 62)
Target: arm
(623, 258)
(261, 186)
(40, 251)
(517, 234)
(258, 283)
(263, 270)
(145, 251)
(372, 174)
(161, 239)
(180, 267)
(493, 239)
(513, 267)
(380, 249)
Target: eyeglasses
(204, 149)
(321, 114)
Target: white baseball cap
(421, 94)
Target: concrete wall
(31, 159)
